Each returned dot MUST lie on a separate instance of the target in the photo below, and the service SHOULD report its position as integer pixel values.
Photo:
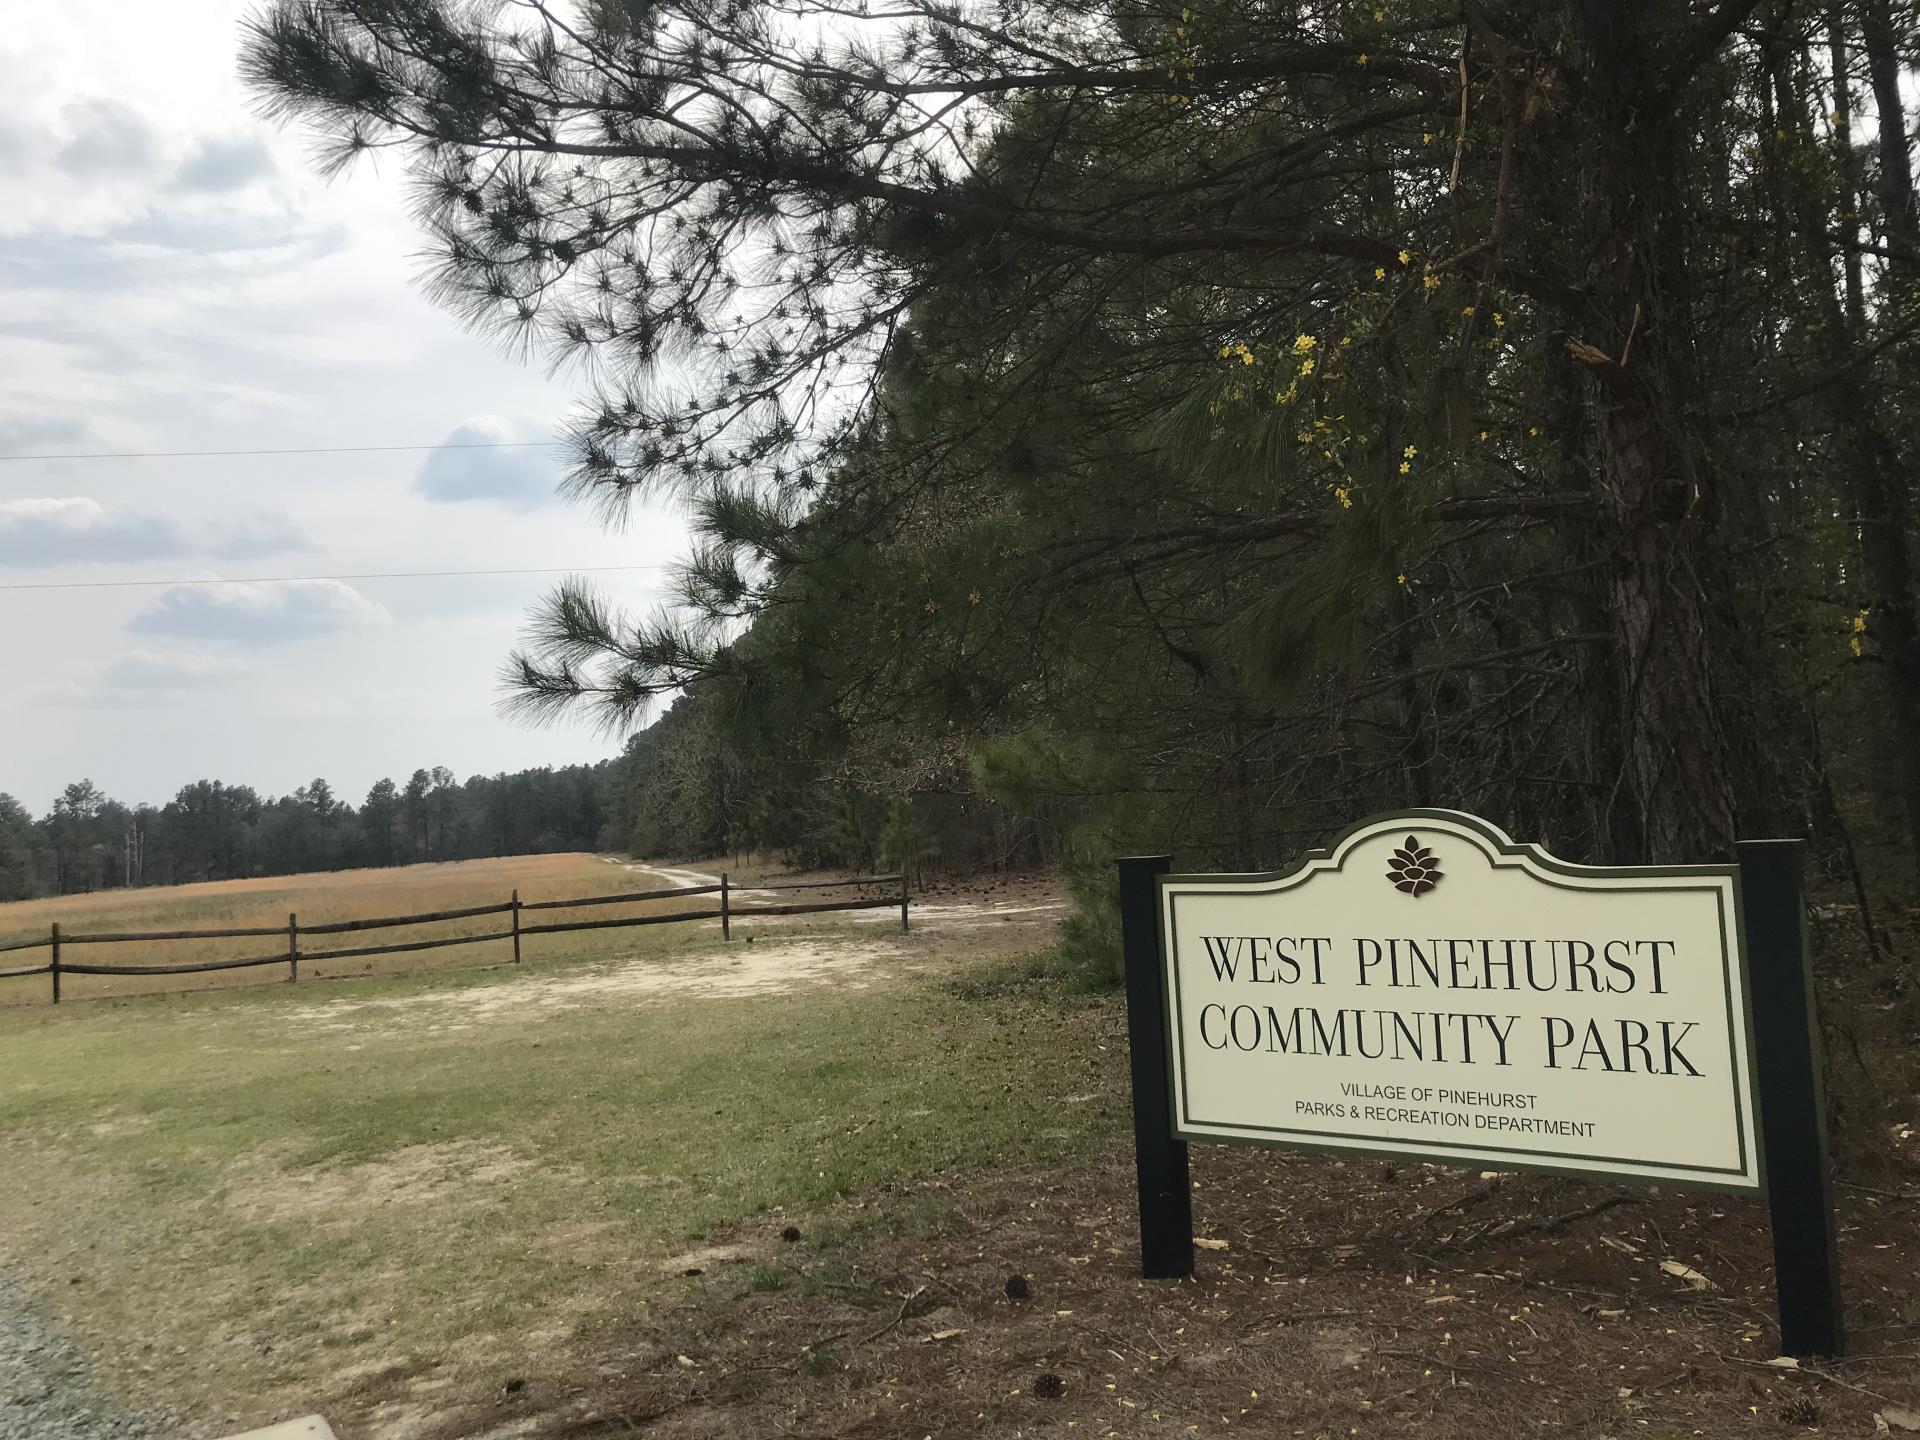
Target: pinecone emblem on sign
(1413, 868)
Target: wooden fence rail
(726, 912)
(636, 895)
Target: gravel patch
(46, 1388)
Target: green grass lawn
(266, 1193)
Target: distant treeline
(215, 831)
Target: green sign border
(1733, 954)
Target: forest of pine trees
(1195, 424)
(214, 831)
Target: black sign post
(1166, 1197)
(1793, 1110)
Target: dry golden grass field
(321, 898)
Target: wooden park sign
(1429, 990)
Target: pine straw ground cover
(1342, 1300)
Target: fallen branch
(1815, 1374)
(898, 1320)
(1557, 1222)
(632, 1419)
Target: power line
(294, 579)
(309, 450)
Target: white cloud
(52, 530)
(145, 681)
(226, 164)
(110, 163)
(521, 478)
(104, 138)
(26, 435)
(267, 612)
(159, 671)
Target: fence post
(903, 902)
(56, 962)
(516, 927)
(293, 950)
(726, 919)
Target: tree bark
(1895, 188)
(1847, 159)
(1656, 495)
(1869, 460)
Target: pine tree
(1413, 402)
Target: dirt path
(680, 879)
(939, 915)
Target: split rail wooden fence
(293, 932)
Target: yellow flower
(1344, 496)
(1499, 319)
(1860, 621)
(1406, 257)
(1379, 272)
(1533, 429)
(1303, 343)
(1426, 137)
(1360, 59)
(1306, 366)
(1467, 310)
(1483, 434)
(1303, 437)
(1410, 452)
(1431, 281)
(1406, 467)
(1401, 578)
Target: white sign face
(1429, 989)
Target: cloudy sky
(173, 277)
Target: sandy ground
(755, 963)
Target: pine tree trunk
(1872, 473)
(1886, 510)
(1896, 175)
(1655, 496)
